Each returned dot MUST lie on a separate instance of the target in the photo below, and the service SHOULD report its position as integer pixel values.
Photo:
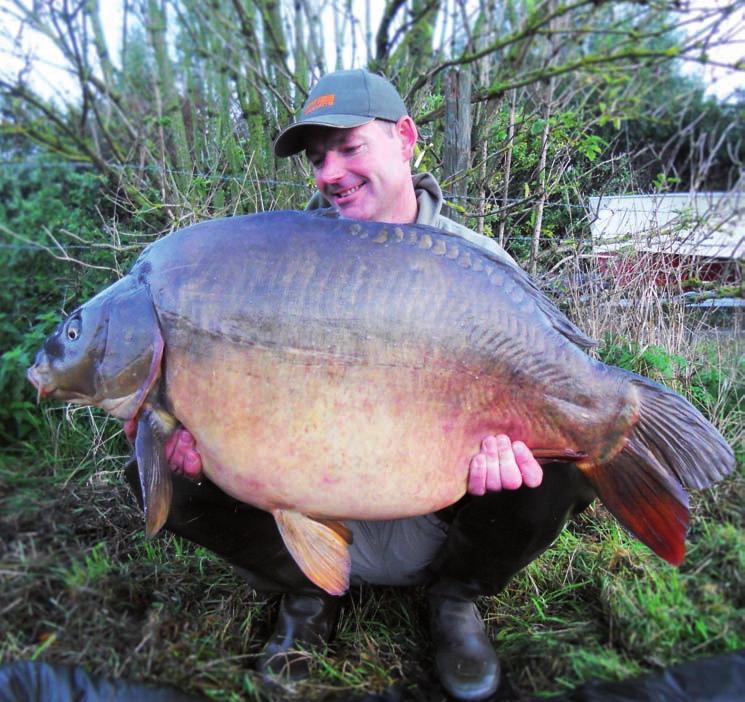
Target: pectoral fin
(320, 548)
(155, 475)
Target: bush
(38, 198)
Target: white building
(708, 226)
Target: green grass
(80, 584)
(600, 605)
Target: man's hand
(180, 449)
(183, 457)
(502, 464)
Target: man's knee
(492, 537)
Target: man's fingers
(477, 475)
(490, 446)
(182, 455)
(530, 469)
(171, 446)
(503, 465)
(192, 465)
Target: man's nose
(332, 168)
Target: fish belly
(330, 437)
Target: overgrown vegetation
(583, 101)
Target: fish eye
(73, 329)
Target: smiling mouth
(343, 194)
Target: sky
(721, 82)
(48, 78)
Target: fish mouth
(38, 380)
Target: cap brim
(293, 139)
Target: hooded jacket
(430, 201)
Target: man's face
(364, 171)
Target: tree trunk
(168, 99)
(276, 55)
(540, 205)
(93, 13)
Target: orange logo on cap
(320, 101)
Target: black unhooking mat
(718, 679)
(28, 681)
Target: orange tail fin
(672, 445)
(649, 503)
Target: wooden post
(457, 144)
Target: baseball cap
(342, 99)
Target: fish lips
(38, 376)
(38, 379)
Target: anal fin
(649, 502)
(320, 548)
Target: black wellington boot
(466, 664)
(491, 538)
(305, 621)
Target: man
(360, 140)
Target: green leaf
(537, 127)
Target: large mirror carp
(331, 369)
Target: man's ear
(407, 133)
